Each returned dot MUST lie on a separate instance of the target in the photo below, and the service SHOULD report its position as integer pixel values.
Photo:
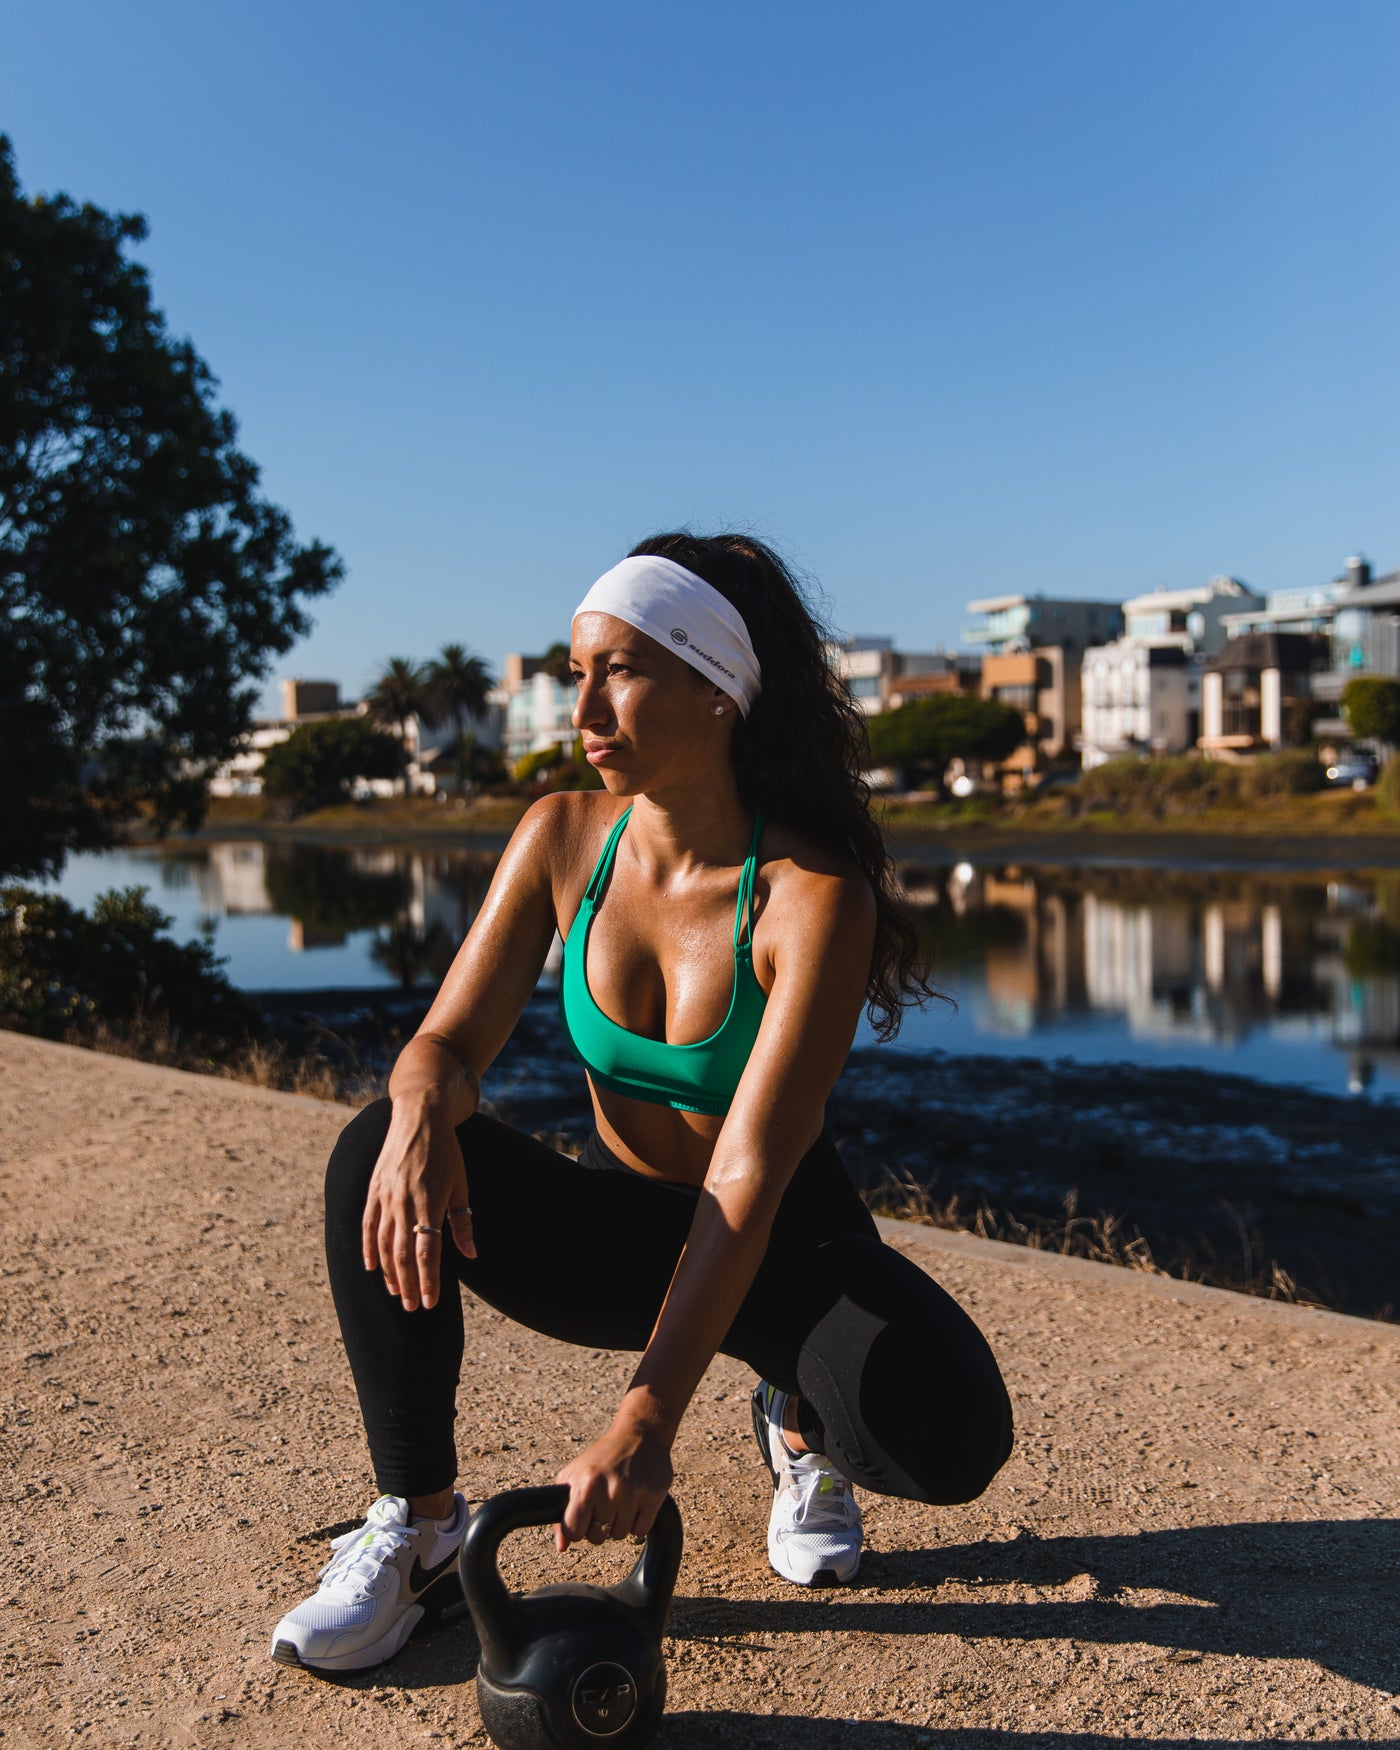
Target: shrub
(64, 974)
(1180, 784)
(1388, 788)
(1296, 773)
(317, 763)
(1371, 706)
(529, 767)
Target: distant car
(1353, 770)
(1058, 778)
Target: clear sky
(947, 299)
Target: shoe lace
(360, 1555)
(823, 1497)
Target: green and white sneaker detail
(386, 1579)
(814, 1529)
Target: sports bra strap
(604, 863)
(748, 882)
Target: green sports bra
(692, 1078)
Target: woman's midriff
(656, 1140)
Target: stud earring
(719, 710)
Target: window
(864, 686)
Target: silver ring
(421, 1227)
(466, 1209)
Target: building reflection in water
(1204, 957)
(1210, 957)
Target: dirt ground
(1197, 1538)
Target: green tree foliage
(401, 692)
(317, 763)
(1388, 793)
(457, 683)
(63, 972)
(556, 663)
(926, 735)
(144, 583)
(529, 766)
(1372, 708)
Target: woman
(726, 906)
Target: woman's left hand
(616, 1485)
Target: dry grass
(264, 1065)
(1103, 1238)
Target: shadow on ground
(681, 1730)
(1328, 1590)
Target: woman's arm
(420, 1175)
(822, 942)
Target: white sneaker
(383, 1581)
(814, 1530)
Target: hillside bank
(1195, 1539)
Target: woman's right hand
(419, 1178)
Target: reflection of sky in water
(1007, 1011)
(257, 946)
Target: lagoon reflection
(1287, 976)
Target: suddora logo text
(679, 637)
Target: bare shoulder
(810, 884)
(558, 841)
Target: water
(1289, 977)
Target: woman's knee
(351, 1166)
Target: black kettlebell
(568, 1666)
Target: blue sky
(945, 299)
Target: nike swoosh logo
(420, 1578)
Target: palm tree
(457, 684)
(400, 692)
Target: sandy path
(1196, 1539)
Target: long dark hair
(800, 753)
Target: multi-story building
(1193, 618)
(874, 671)
(1044, 686)
(1010, 624)
(1358, 616)
(536, 706)
(305, 701)
(1247, 690)
(1142, 692)
(1138, 698)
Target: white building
(536, 708)
(1142, 693)
(872, 669)
(1137, 697)
(314, 701)
(1193, 618)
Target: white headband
(685, 614)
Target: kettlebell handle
(650, 1584)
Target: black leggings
(899, 1387)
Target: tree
(1372, 707)
(401, 692)
(457, 684)
(926, 735)
(144, 583)
(555, 661)
(65, 974)
(315, 766)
